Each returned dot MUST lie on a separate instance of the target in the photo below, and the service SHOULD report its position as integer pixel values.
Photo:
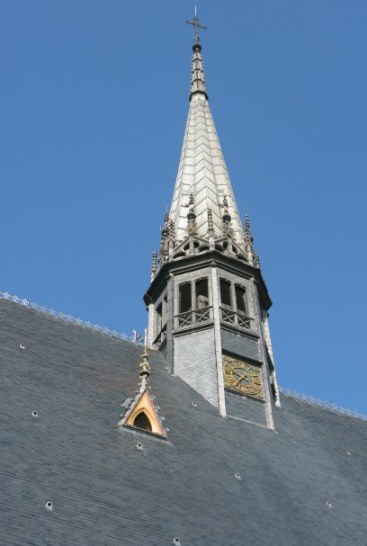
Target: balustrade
(199, 316)
(237, 319)
(189, 318)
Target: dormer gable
(141, 413)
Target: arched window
(142, 421)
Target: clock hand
(244, 376)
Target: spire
(154, 263)
(197, 71)
(249, 243)
(202, 170)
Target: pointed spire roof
(202, 171)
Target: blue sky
(93, 105)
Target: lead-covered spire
(203, 213)
(202, 170)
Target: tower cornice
(209, 259)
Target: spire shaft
(198, 84)
(202, 170)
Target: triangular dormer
(141, 414)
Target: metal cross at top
(196, 24)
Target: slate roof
(106, 492)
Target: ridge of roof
(137, 339)
(324, 404)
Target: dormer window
(142, 421)
(142, 415)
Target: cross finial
(196, 24)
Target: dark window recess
(225, 292)
(164, 312)
(273, 391)
(142, 421)
(240, 299)
(159, 317)
(202, 299)
(185, 297)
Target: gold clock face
(242, 377)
